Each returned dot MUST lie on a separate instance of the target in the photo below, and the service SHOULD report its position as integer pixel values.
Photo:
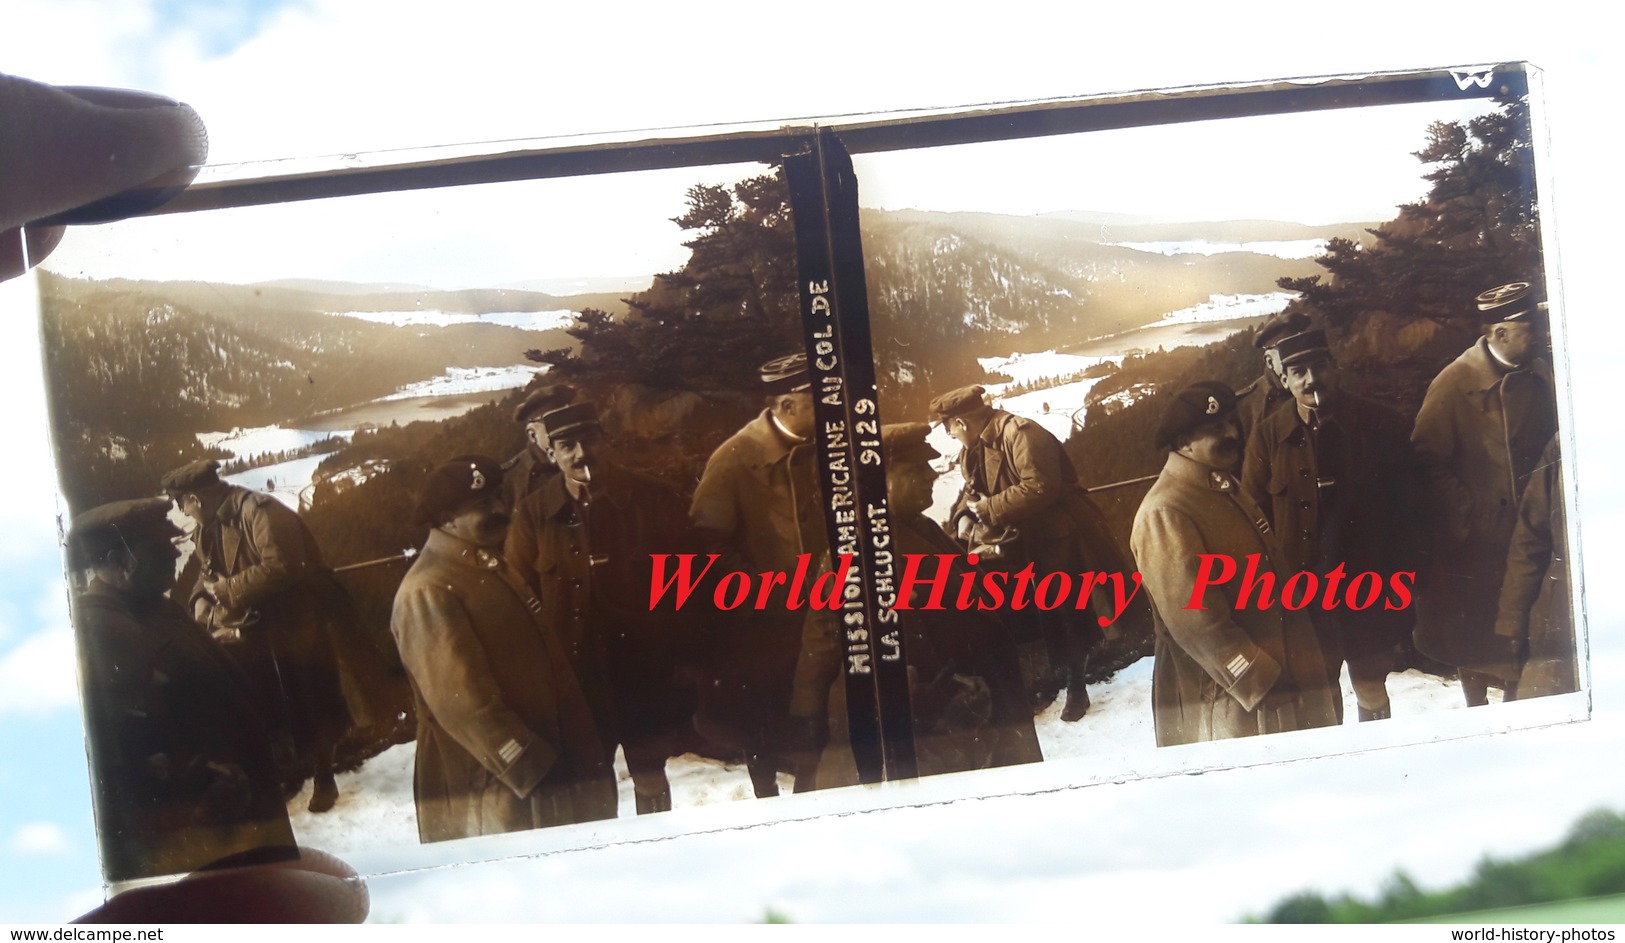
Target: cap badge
(1212, 406)
(479, 478)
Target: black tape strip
(852, 470)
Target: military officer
(267, 596)
(1018, 478)
(757, 506)
(1478, 437)
(527, 471)
(1335, 477)
(1221, 670)
(585, 544)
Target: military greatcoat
(757, 506)
(276, 587)
(591, 567)
(505, 738)
(1478, 436)
(1220, 671)
(1032, 486)
(1345, 493)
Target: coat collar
(1484, 372)
(759, 445)
(1190, 472)
(460, 551)
(606, 489)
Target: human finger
(315, 888)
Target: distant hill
(948, 288)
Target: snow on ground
(460, 380)
(246, 443)
(287, 481)
(375, 808)
(1228, 308)
(524, 320)
(1280, 248)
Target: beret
(1279, 326)
(1191, 407)
(543, 399)
(787, 374)
(568, 419)
(1514, 301)
(191, 476)
(905, 442)
(966, 399)
(121, 523)
(455, 483)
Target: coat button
(1304, 504)
(1303, 473)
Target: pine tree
(1478, 227)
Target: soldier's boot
(325, 795)
(1077, 693)
(660, 802)
(650, 786)
(1077, 703)
(1379, 713)
(764, 775)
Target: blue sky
(333, 76)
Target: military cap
(543, 399)
(1278, 326)
(1303, 347)
(1514, 301)
(966, 399)
(193, 476)
(905, 442)
(570, 419)
(120, 524)
(1191, 407)
(455, 483)
(786, 374)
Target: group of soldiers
(1467, 499)
(534, 654)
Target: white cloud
(40, 838)
(37, 675)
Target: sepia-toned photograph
(403, 518)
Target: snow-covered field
(524, 320)
(375, 808)
(261, 439)
(1280, 248)
(1228, 308)
(459, 380)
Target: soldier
(1478, 436)
(968, 702)
(584, 544)
(1018, 477)
(181, 761)
(1221, 671)
(267, 596)
(506, 740)
(525, 473)
(1260, 397)
(1336, 479)
(757, 506)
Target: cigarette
(1316, 395)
